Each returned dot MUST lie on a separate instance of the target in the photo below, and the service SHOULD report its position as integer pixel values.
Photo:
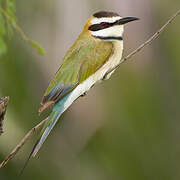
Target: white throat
(114, 31)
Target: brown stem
(3, 104)
(22, 142)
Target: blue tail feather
(57, 111)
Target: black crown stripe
(105, 14)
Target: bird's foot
(84, 94)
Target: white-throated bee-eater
(97, 49)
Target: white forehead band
(105, 19)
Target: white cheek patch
(114, 31)
(106, 19)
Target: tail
(57, 111)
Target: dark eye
(103, 24)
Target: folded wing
(83, 59)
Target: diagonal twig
(33, 130)
(22, 142)
(145, 43)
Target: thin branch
(146, 43)
(33, 130)
(22, 142)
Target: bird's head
(107, 26)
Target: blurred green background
(126, 128)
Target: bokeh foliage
(8, 23)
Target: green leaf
(3, 48)
(38, 47)
(2, 25)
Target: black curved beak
(126, 20)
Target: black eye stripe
(97, 27)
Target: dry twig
(147, 42)
(33, 130)
(23, 141)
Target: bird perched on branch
(97, 50)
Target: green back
(83, 59)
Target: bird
(97, 49)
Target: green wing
(83, 59)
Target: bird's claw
(84, 94)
